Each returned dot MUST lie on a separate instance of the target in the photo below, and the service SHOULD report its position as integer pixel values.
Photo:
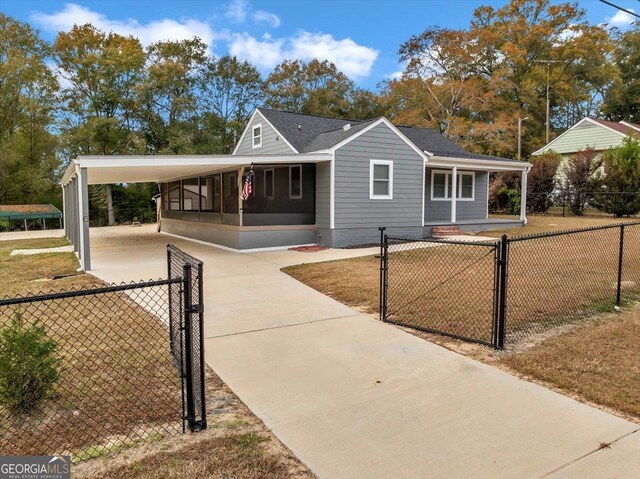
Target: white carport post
(523, 196)
(454, 191)
(83, 219)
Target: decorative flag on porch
(248, 186)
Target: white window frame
(447, 182)
(253, 135)
(273, 183)
(372, 164)
(296, 197)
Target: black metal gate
(186, 333)
(445, 287)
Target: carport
(95, 170)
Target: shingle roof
(308, 133)
(619, 127)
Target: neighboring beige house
(588, 132)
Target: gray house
(314, 180)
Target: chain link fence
(85, 372)
(122, 216)
(506, 290)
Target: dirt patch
(309, 249)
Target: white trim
(454, 195)
(401, 135)
(454, 184)
(273, 183)
(253, 135)
(255, 112)
(389, 195)
(585, 119)
(424, 187)
(332, 192)
(523, 198)
(480, 165)
(630, 125)
(296, 197)
(487, 202)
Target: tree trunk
(110, 215)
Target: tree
(102, 71)
(541, 182)
(28, 162)
(622, 100)
(473, 84)
(579, 171)
(315, 87)
(232, 88)
(619, 184)
(169, 95)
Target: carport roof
(162, 168)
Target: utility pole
(548, 121)
(520, 120)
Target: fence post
(502, 291)
(620, 260)
(170, 292)
(203, 403)
(188, 343)
(385, 277)
(381, 292)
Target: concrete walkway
(356, 398)
(22, 235)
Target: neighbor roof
(307, 133)
(619, 127)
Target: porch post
(454, 190)
(240, 185)
(523, 197)
(83, 219)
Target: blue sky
(361, 36)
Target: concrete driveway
(356, 398)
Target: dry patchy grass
(542, 224)
(598, 361)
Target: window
(295, 182)
(257, 136)
(230, 192)
(381, 180)
(190, 194)
(210, 194)
(268, 184)
(441, 185)
(174, 196)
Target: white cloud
(269, 18)
(164, 29)
(395, 75)
(237, 10)
(621, 19)
(351, 58)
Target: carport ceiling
(162, 168)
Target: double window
(256, 134)
(381, 180)
(442, 184)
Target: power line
(630, 12)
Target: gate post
(502, 292)
(385, 276)
(381, 292)
(169, 299)
(188, 343)
(620, 260)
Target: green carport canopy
(29, 212)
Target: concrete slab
(356, 398)
(20, 235)
(59, 249)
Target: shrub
(579, 173)
(542, 181)
(619, 185)
(4, 224)
(504, 193)
(29, 367)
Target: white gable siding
(272, 142)
(585, 135)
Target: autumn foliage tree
(541, 182)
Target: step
(438, 231)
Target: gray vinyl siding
(465, 210)
(323, 194)
(353, 207)
(272, 142)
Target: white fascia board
(584, 120)
(69, 173)
(630, 125)
(595, 122)
(381, 120)
(257, 112)
(482, 165)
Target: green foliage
(619, 184)
(4, 224)
(542, 181)
(29, 367)
(579, 175)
